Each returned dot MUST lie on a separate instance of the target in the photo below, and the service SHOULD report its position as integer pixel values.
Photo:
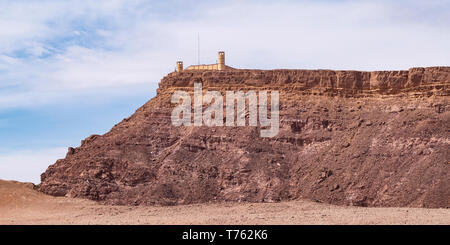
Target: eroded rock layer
(346, 137)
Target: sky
(69, 69)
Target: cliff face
(432, 80)
(345, 137)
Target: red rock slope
(346, 137)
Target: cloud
(27, 166)
(52, 49)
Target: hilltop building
(220, 66)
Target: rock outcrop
(346, 137)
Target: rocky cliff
(346, 137)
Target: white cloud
(125, 43)
(27, 166)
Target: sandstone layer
(346, 137)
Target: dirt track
(20, 204)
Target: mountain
(345, 137)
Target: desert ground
(21, 204)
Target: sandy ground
(20, 204)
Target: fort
(218, 67)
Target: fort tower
(179, 66)
(221, 61)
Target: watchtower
(221, 61)
(179, 66)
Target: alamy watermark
(213, 115)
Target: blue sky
(69, 69)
